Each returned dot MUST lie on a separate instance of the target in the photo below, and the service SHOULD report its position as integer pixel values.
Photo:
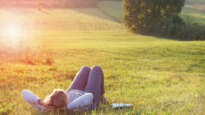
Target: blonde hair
(56, 100)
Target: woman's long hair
(57, 100)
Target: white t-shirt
(76, 99)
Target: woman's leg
(95, 84)
(80, 79)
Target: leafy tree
(145, 15)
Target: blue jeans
(90, 80)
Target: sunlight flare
(13, 32)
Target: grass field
(156, 75)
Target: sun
(12, 34)
(13, 31)
(17, 31)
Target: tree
(144, 15)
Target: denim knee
(85, 68)
(96, 68)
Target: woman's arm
(81, 102)
(33, 100)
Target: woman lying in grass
(85, 93)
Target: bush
(173, 25)
(143, 15)
(192, 31)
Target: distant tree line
(160, 17)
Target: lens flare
(17, 31)
(12, 34)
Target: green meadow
(159, 76)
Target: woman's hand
(40, 102)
